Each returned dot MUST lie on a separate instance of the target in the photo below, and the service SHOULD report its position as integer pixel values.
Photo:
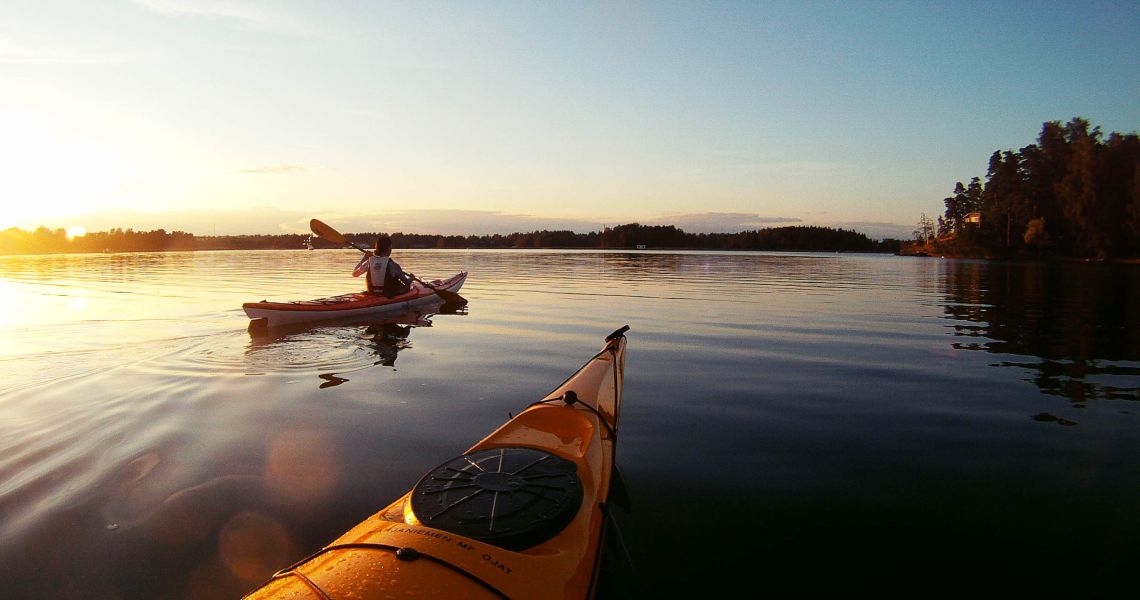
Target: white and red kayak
(277, 314)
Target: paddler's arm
(362, 266)
(397, 272)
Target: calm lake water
(794, 424)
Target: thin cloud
(41, 51)
(464, 222)
(273, 170)
(718, 222)
(271, 220)
(241, 14)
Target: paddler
(382, 274)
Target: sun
(53, 172)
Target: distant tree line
(46, 241)
(282, 241)
(635, 235)
(1073, 193)
(631, 236)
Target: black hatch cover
(513, 498)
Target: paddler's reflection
(345, 346)
(385, 340)
(388, 339)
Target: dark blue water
(794, 425)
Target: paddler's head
(383, 245)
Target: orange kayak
(520, 515)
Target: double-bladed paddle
(329, 234)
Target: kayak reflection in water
(382, 274)
(340, 347)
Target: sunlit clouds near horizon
(433, 221)
(250, 116)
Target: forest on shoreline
(1073, 194)
(631, 236)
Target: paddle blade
(450, 297)
(327, 233)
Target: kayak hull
(396, 553)
(359, 304)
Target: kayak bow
(520, 515)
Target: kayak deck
(542, 480)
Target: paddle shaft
(329, 234)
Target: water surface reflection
(358, 343)
(1074, 328)
(810, 417)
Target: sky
(231, 117)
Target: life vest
(378, 279)
(377, 272)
